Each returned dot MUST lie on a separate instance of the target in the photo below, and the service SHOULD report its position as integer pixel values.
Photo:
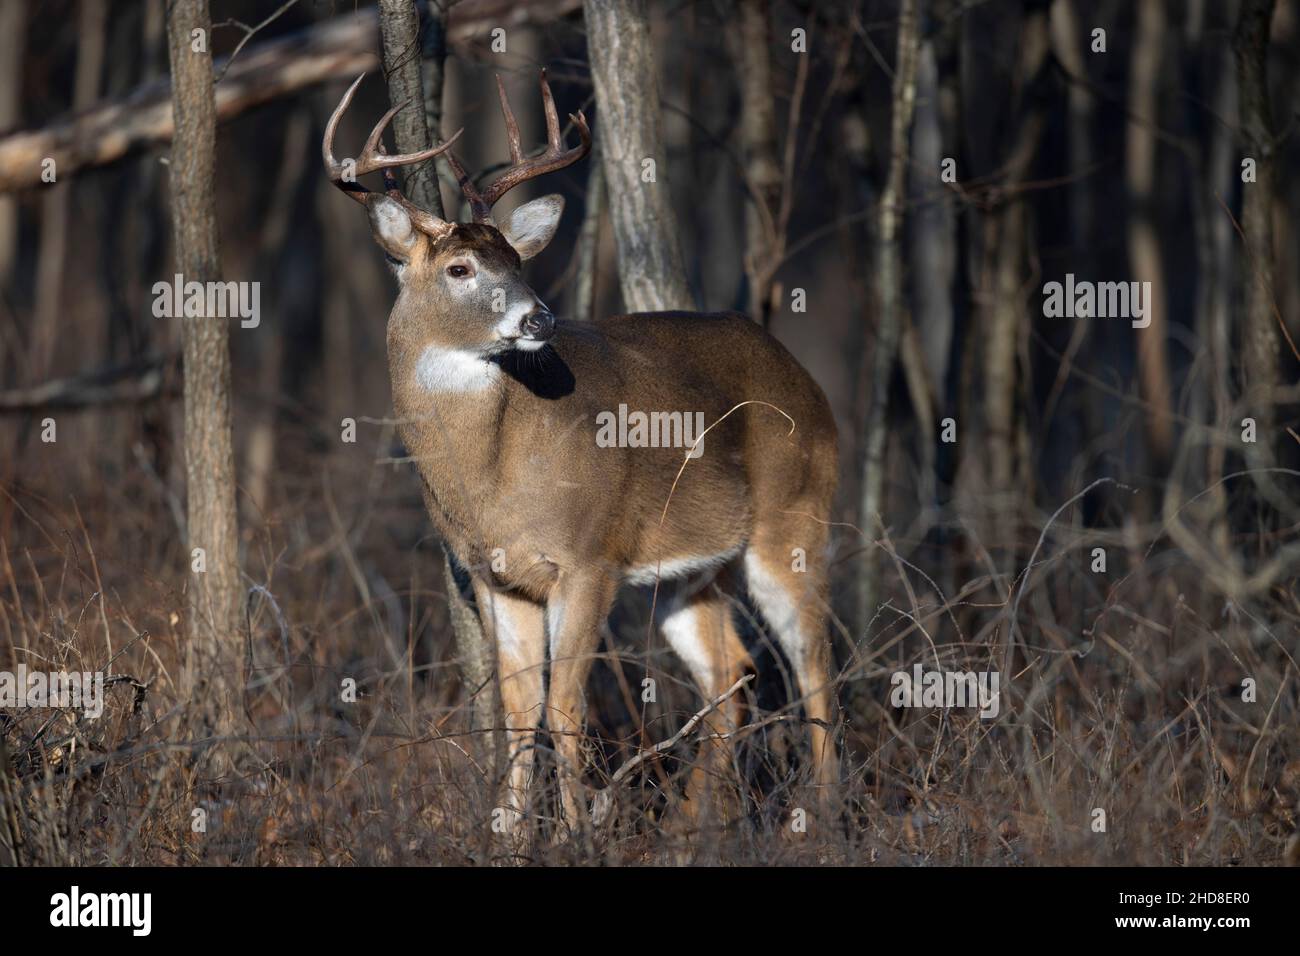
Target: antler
(373, 157)
(521, 170)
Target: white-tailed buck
(501, 405)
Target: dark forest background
(990, 452)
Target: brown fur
(550, 524)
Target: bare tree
(1003, 462)
(13, 22)
(433, 41)
(1143, 245)
(632, 153)
(214, 606)
(1216, 169)
(1261, 342)
(889, 286)
(759, 150)
(583, 295)
(399, 24)
(56, 202)
(262, 72)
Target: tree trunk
(56, 203)
(433, 66)
(399, 24)
(1005, 376)
(1216, 169)
(13, 34)
(1002, 318)
(759, 151)
(640, 207)
(1261, 341)
(212, 654)
(584, 280)
(1143, 245)
(927, 328)
(888, 275)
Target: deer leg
(577, 606)
(516, 625)
(702, 633)
(792, 598)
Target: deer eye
(458, 271)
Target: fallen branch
(336, 49)
(34, 755)
(603, 805)
(133, 383)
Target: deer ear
(532, 225)
(392, 228)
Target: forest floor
(1147, 715)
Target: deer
(498, 400)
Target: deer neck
(450, 401)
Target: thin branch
(604, 802)
(249, 33)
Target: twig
(1024, 580)
(604, 802)
(135, 382)
(249, 33)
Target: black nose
(538, 324)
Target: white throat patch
(453, 370)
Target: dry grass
(1123, 692)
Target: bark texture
(433, 66)
(584, 281)
(214, 595)
(1261, 341)
(645, 228)
(888, 273)
(759, 151)
(399, 25)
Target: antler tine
(547, 162)
(512, 128)
(552, 121)
(479, 210)
(374, 157)
(332, 165)
(521, 170)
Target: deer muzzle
(538, 325)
